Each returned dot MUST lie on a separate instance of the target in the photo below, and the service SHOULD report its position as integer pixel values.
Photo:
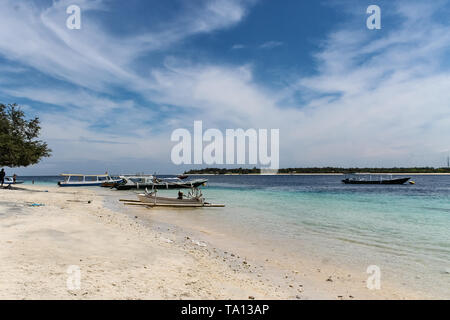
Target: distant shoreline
(323, 174)
(322, 171)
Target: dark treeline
(321, 170)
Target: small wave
(436, 209)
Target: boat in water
(151, 182)
(193, 199)
(369, 179)
(86, 180)
(111, 183)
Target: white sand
(119, 257)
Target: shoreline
(137, 253)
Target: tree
(19, 146)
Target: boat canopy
(83, 175)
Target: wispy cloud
(91, 57)
(271, 44)
(238, 46)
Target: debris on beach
(82, 201)
(166, 240)
(36, 205)
(200, 244)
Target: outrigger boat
(356, 179)
(85, 180)
(193, 200)
(151, 182)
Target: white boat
(10, 180)
(152, 182)
(193, 199)
(85, 180)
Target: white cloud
(91, 57)
(237, 46)
(375, 102)
(271, 44)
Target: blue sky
(110, 94)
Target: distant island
(323, 170)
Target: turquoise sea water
(403, 229)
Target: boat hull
(110, 184)
(155, 200)
(86, 180)
(81, 184)
(390, 181)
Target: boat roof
(136, 176)
(84, 175)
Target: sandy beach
(138, 253)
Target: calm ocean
(404, 229)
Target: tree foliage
(19, 146)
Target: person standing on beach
(2, 176)
(14, 178)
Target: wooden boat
(151, 182)
(194, 200)
(85, 180)
(371, 180)
(111, 183)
